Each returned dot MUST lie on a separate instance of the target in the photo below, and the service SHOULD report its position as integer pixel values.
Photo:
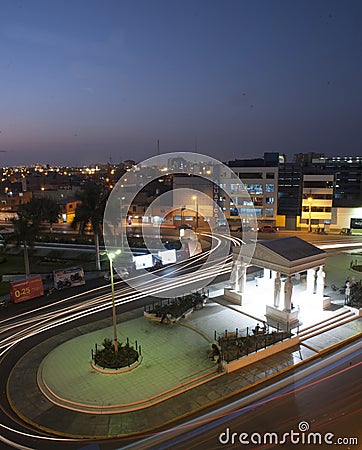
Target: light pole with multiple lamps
(121, 206)
(111, 257)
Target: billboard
(23, 290)
(143, 261)
(167, 257)
(73, 276)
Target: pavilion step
(323, 322)
(348, 317)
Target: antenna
(158, 146)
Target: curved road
(22, 331)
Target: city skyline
(92, 82)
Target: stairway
(345, 316)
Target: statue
(277, 286)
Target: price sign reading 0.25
(20, 292)
(23, 290)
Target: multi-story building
(260, 180)
(290, 186)
(332, 185)
(317, 202)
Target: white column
(320, 282)
(310, 281)
(242, 278)
(234, 274)
(288, 290)
(277, 286)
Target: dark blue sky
(83, 81)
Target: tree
(25, 232)
(40, 210)
(90, 212)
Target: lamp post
(111, 257)
(310, 200)
(121, 205)
(182, 216)
(194, 197)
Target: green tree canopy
(40, 210)
(25, 232)
(90, 212)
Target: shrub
(107, 358)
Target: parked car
(346, 231)
(268, 229)
(120, 274)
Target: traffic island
(164, 370)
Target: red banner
(23, 290)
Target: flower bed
(234, 347)
(107, 358)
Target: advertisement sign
(143, 261)
(23, 290)
(167, 257)
(73, 276)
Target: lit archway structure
(283, 257)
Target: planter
(172, 319)
(153, 317)
(178, 308)
(116, 371)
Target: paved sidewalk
(174, 355)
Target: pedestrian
(265, 328)
(219, 364)
(215, 352)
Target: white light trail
(47, 320)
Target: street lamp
(194, 197)
(111, 257)
(182, 216)
(310, 200)
(122, 238)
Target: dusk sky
(86, 81)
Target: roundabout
(56, 376)
(138, 414)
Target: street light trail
(51, 320)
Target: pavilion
(282, 260)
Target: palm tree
(90, 212)
(25, 232)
